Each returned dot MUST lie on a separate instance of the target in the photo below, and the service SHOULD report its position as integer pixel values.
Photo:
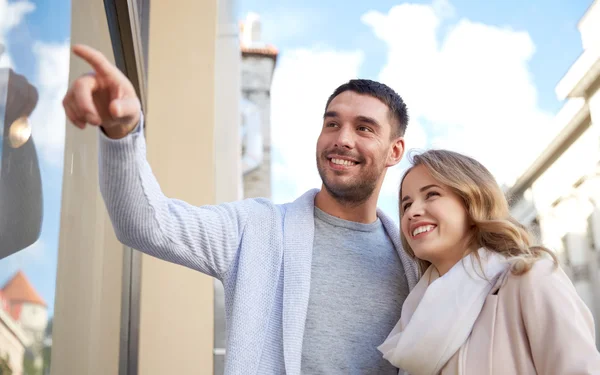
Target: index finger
(95, 58)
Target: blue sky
(322, 44)
(478, 77)
(551, 24)
(31, 43)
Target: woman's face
(434, 220)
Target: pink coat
(530, 324)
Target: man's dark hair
(397, 107)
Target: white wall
(257, 74)
(34, 319)
(10, 345)
(589, 27)
(577, 161)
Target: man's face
(356, 146)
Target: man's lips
(340, 159)
(341, 163)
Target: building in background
(558, 196)
(24, 319)
(13, 342)
(257, 67)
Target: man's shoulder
(259, 206)
(254, 206)
(306, 201)
(389, 224)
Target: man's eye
(364, 129)
(331, 124)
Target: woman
(487, 302)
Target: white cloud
(11, 15)
(468, 87)
(471, 86)
(302, 82)
(48, 119)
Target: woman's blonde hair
(486, 206)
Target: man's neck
(365, 212)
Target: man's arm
(203, 238)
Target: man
(312, 286)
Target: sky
(36, 36)
(478, 77)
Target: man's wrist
(120, 131)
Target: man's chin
(347, 192)
(341, 184)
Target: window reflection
(20, 180)
(34, 55)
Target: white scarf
(439, 313)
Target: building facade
(23, 323)
(254, 62)
(258, 65)
(558, 196)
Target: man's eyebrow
(330, 114)
(368, 120)
(406, 197)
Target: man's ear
(396, 152)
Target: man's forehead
(355, 104)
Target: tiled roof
(19, 289)
(268, 51)
(15, 311)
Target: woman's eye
(432, 194)
(405, 207)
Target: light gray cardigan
(261, 252)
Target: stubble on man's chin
(350, 196)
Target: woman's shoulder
(544, 275)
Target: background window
(34, 67)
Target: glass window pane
(220, 328)
(143, 9)
(219, 364)
(34, 67)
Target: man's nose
(345, 138)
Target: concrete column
(176, 304)
(228, 170)
(87, 310)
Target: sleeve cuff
(137, 130)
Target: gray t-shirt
(356, 295)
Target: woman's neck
(445, 264)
